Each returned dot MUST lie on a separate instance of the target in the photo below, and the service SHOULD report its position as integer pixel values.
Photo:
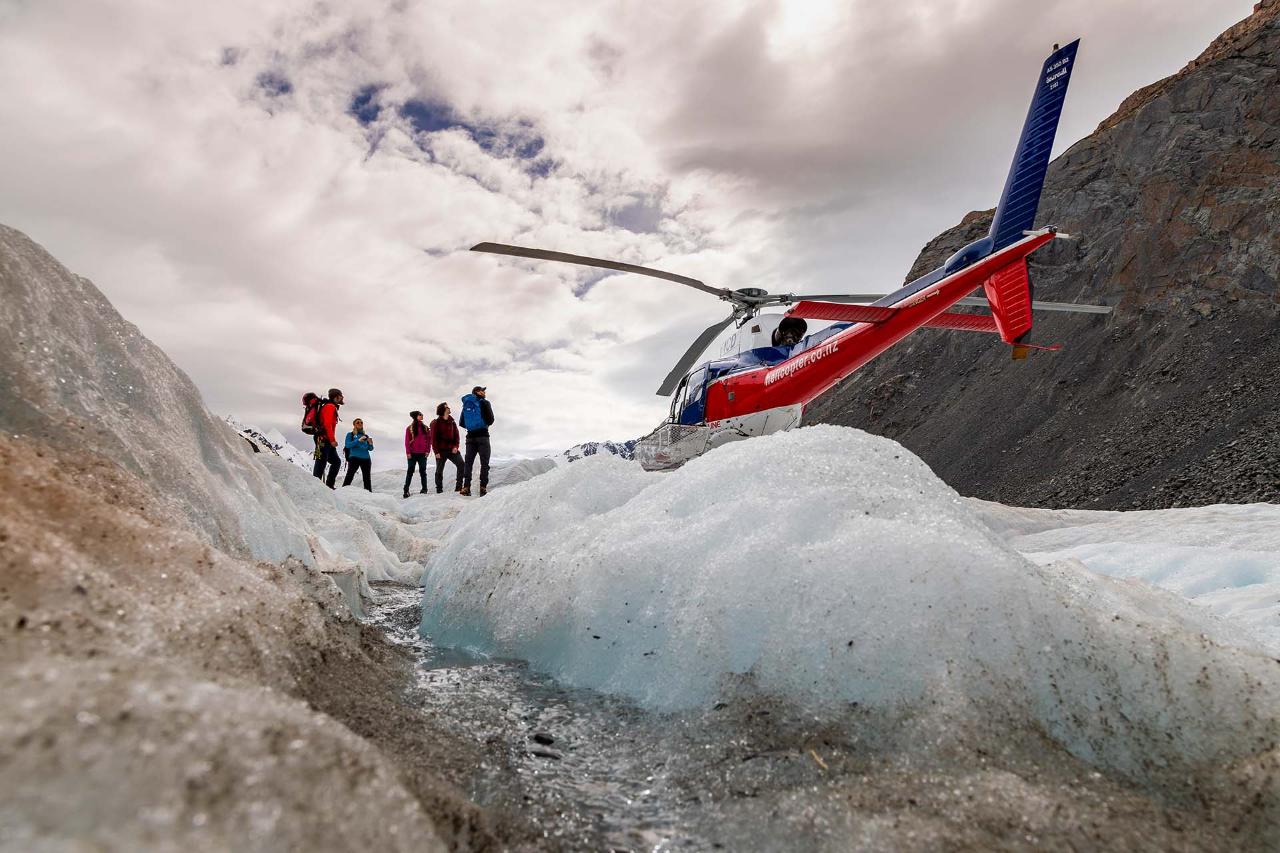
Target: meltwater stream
(594, 772)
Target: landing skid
(671, 445)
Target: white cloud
(201, 164)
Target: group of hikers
(440, 437)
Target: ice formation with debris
(831, 566)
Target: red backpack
(311, 413)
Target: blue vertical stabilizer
(1017, 209)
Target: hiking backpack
(472, 418)
(311, 414)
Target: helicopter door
(694, 407)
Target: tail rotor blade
(691, 355)
(582, 260)
(1072, 307)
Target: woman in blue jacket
(359, 443)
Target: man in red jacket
(444, 441)
(327, 439)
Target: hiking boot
(439, 491)
(422, 492)
(406, 494)
(484, 490)
(465, 491)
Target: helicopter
(771, 368)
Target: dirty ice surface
(829, 566)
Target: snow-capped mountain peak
(621, 449)
(270, 441)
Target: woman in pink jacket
(417, 446)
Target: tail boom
(809, 373)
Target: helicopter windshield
(695, 402)
(688, 406)
(677, 401)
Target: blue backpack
(471, 415)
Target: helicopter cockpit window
(694, 409)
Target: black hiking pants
(477, 445)
(420, 460)
(452, 456)
(361, 465)
(327, 454)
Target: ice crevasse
(828, 566)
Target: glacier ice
(1224, 557)
(387, 537)
(831, 566)
(79, 376)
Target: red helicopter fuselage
(765, 387)
(811, 371)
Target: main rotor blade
(691, 355)
(582, 260)
(981, 302)
(839, 297)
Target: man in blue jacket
(359, 443)
(477, 417)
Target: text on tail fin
(1021, 197)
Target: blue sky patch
(518, 139)
(364, 106)
(541, 167)
(427, 116)
(642, 216)
(585, 286)
(531, 148)
(274, 83)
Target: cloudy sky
(281, 194)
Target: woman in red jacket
(417, 444)
(444, 441)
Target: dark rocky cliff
(1174, 399)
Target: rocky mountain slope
(1172, 400)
